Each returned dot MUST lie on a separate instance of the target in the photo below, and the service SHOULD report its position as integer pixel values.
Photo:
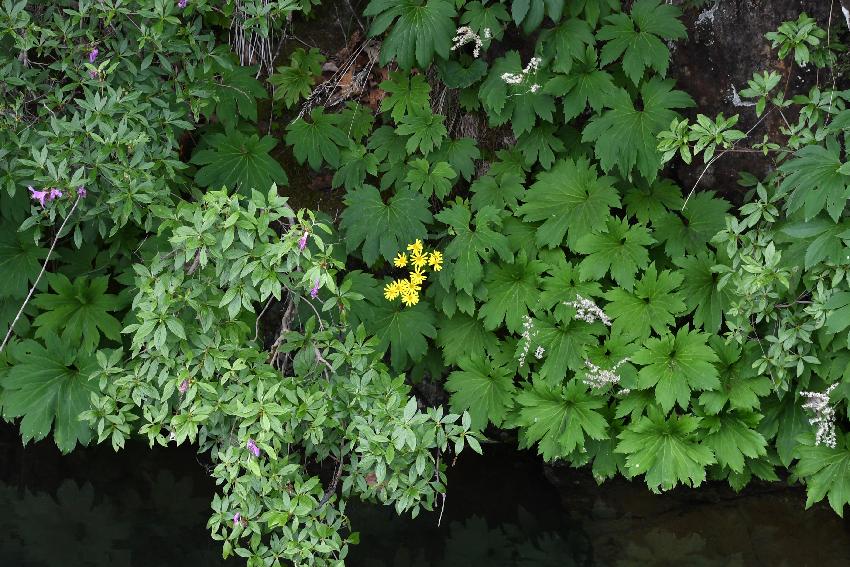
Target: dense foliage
(507, 231)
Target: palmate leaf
(383, 229)
(20, 262)
(540, 146)
(318, 140)
(638, 37)
(571, 200)
(470, 246)
(405, 331)
(676, 365)
(650, 203)
(49, 386)
(816, 180)
(236, 95)
(502, 191)
(515, 103)
(566, 42)
(732, 437)
(460, 153)
(665, 450)
(699, 288)
(295, 81)
(406, 94)
(559, 418)
(826, 472)
(424, 130)
(704, 216)
(460, 335)
(586, 84)
(621, 250)
(651, 306)
(430, 179)
(354, 164)
(566, 341)
(530, 13)
(78, 311)
(625, 136)
(238, 160)
(740, 385)
(563, 283)
(512, 290)
(482, 387)
(422, 28)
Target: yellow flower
(391, 290)
(417, 277)
(410, 299)
(436, 260)
(400, 260)
(419, 260)
(415, 248)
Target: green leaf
(20, 262)
(570, 200)
(471, 247)
(827, 473)
(650, 203)
(406, 94)
(460, 153)
(78, 311)
(238, 160)
(512, 290)
(514, 103)
(540, 146)
(295, 81)
(430, 179)
(559, 418)
(665, 450)
(699, 289)
(676, 365)
(421, 29)
(354, 165)
(565, 341)
(621, 251)
(566, 42)
(483, 388)
(586, 84)
(236, 95)
(651, 306)
(383, 228)
(625, 136)
(638, 37)
(732, 438)
(49, 386)
(564, 283)
(503, 191)
(704, 216)
(461, 334)
(404, 330)
(740, 386)
(316, 141)
(425, 131)
(815, 180)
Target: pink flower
(237, 519)
(252, 446)
(39, 196)
(184, 385)
(314, 293)
(54, 194)
(93, 74)
(81, 192)
(302, 242)
(182, 3)
(93, 55)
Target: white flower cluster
(597, 377)
(528, 333)
(538, 354)
(588, 311)
(519, 78)
(465, 35)
(824, 418)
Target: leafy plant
(238, 160)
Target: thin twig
(40, 274)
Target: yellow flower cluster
(408, 289)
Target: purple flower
(314, 293)
(302, 242)
(93, 55)
(182, 3)
(93, 74)
(81, 192)
(253, 448)
(184, 385)
(54, 194)
(39, 196)
(237, 519)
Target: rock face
(725, 46)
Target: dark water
(146, 507)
